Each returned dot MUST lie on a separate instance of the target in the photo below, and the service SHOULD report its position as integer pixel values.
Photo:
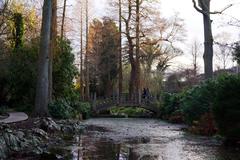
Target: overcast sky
(193, 19)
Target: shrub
(61, 109)
(129, 111)
(82, 107)
(22, 77)
(227, 107)
(170, 104)
(198, 101)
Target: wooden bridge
(102, 104)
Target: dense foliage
(227, 107)
(64, 71)
(19, 79)
(22, 77)
(129, 112)
(65, 109)
(212, 105)
(197, 101)
(82, 108)
(61, 109)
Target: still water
(144, 139)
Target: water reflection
(113, 145)
(101, 149)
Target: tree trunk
(132, 81)
(81, 57)
(208, 47)
(63, 18)
(87, 96)
(41, 100)
(132, 85)
(208, 39)
(53, 46)
(138, 70)
(120, 75)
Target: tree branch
(224, 9)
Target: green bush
(129, 111)
(82, 107)
(198, 101)
(227, 106)
(170, 104)
(18, 79)
(65, 109)
(61, 109)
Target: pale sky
(193, 20)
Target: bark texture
(120, 74)
(53, 46)
(42, 99)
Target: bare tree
(42, 99)
(223, 50)
(141, 21)
(195, 52)
(203, 7)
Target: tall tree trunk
(138, 70)
(41, 100)
(208, 38)
(81, 56)
(87, 96)
(53, 46)
(63, 19)
(120, 75)
(208, 44)
(132, 85)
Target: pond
(144, 139)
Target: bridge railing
(123, 100)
